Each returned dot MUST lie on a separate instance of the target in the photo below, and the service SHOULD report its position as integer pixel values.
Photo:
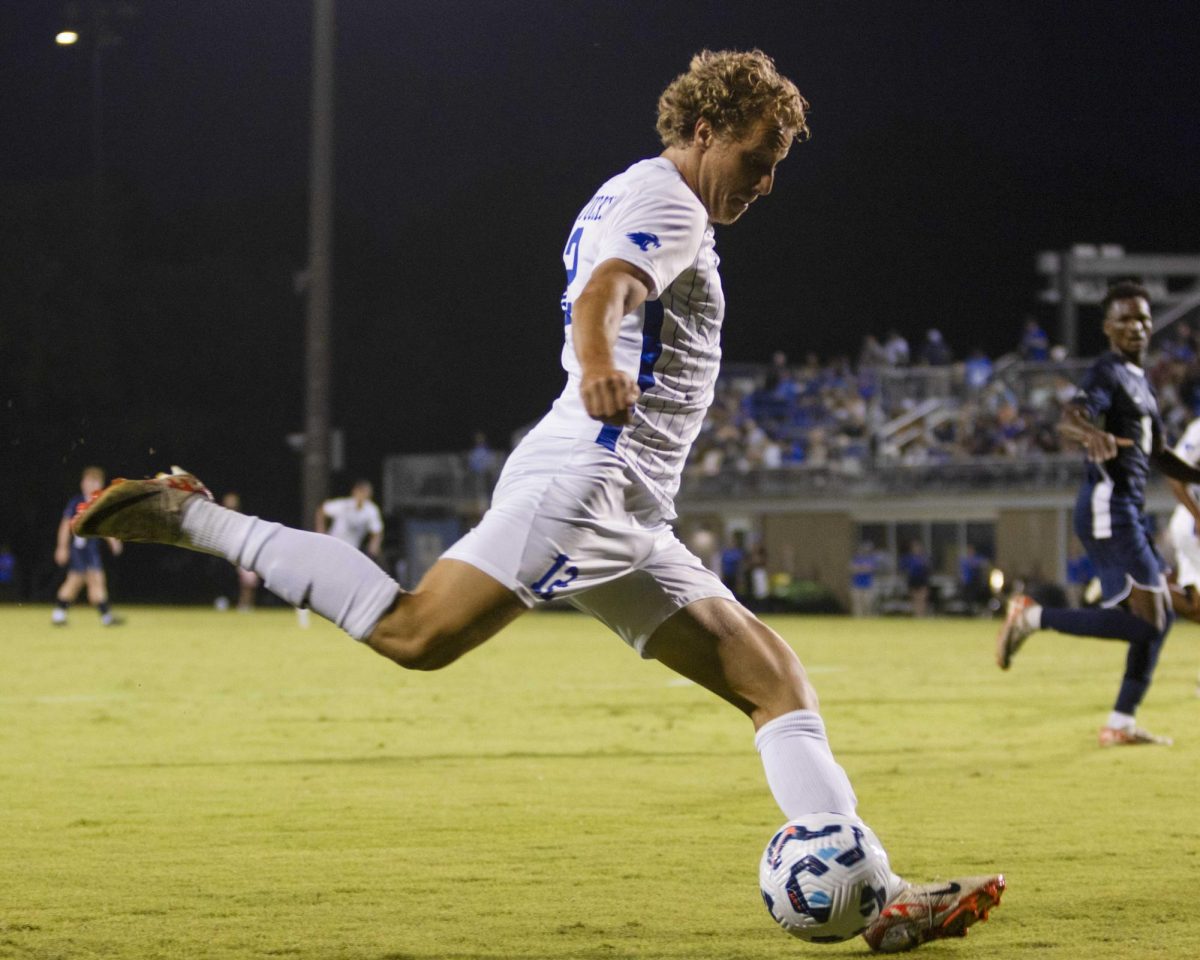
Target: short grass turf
(206, 785)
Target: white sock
(1032, 616)
(801, 771)
(305, 569)
(1121, 721)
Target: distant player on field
(1185, 521)
(581, 509)
(1115, 419)
(82, 558)
(355, 519)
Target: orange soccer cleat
(920, 913)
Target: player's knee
(415, 642)
(780, 683)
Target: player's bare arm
(615, 289)
(319, 520)
(1075, 427)
(62, 548)
(1177, 471)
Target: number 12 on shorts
(545, 587)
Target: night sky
(951, 142)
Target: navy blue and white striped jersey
(1118, 398)
(671, 344)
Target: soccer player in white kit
(582, 506)
(1181, 531)
(355, 519)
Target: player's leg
(1152, 607)
(97, 591)
(305, 569)
(1124, 560)
(68, 590)
(675, 610)
(453, 609)
(723, 647)
(97, 587)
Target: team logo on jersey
(644, 241)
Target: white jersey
(1188, 450)
(671, 345)
(352, 523)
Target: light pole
(317, 353)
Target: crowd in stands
(895, 404)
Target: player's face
(735, 171)
(1127, 326)
(90, 483)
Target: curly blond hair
(731, 89)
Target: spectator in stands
(481, 462)
(758, 579)
(864, 566)
(777, 371)
(1034, 344)
(8, 573)
(873, 353)
(935, 352)
(917, 571)
(1178, 344)
(977, 371)
(733, 564)
(896, 349)
(973, 570)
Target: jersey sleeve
(69, 512)
(1095, 393)
(658, 232)
(375, 520)
(333, 509)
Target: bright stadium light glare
(65, 38)
(996, 580)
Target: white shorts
(1182, 532)
(569, 521)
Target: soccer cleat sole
(139, 511)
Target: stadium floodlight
(64, 38)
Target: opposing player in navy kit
(82, 558)
(1115, 419)
(581, 509)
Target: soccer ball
(824, 877)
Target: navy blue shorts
(86, 557)
(1117, 537)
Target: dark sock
(1139, 670)
(63, 604)
(103, 608)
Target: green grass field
(206, 785)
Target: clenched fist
(609, 396)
